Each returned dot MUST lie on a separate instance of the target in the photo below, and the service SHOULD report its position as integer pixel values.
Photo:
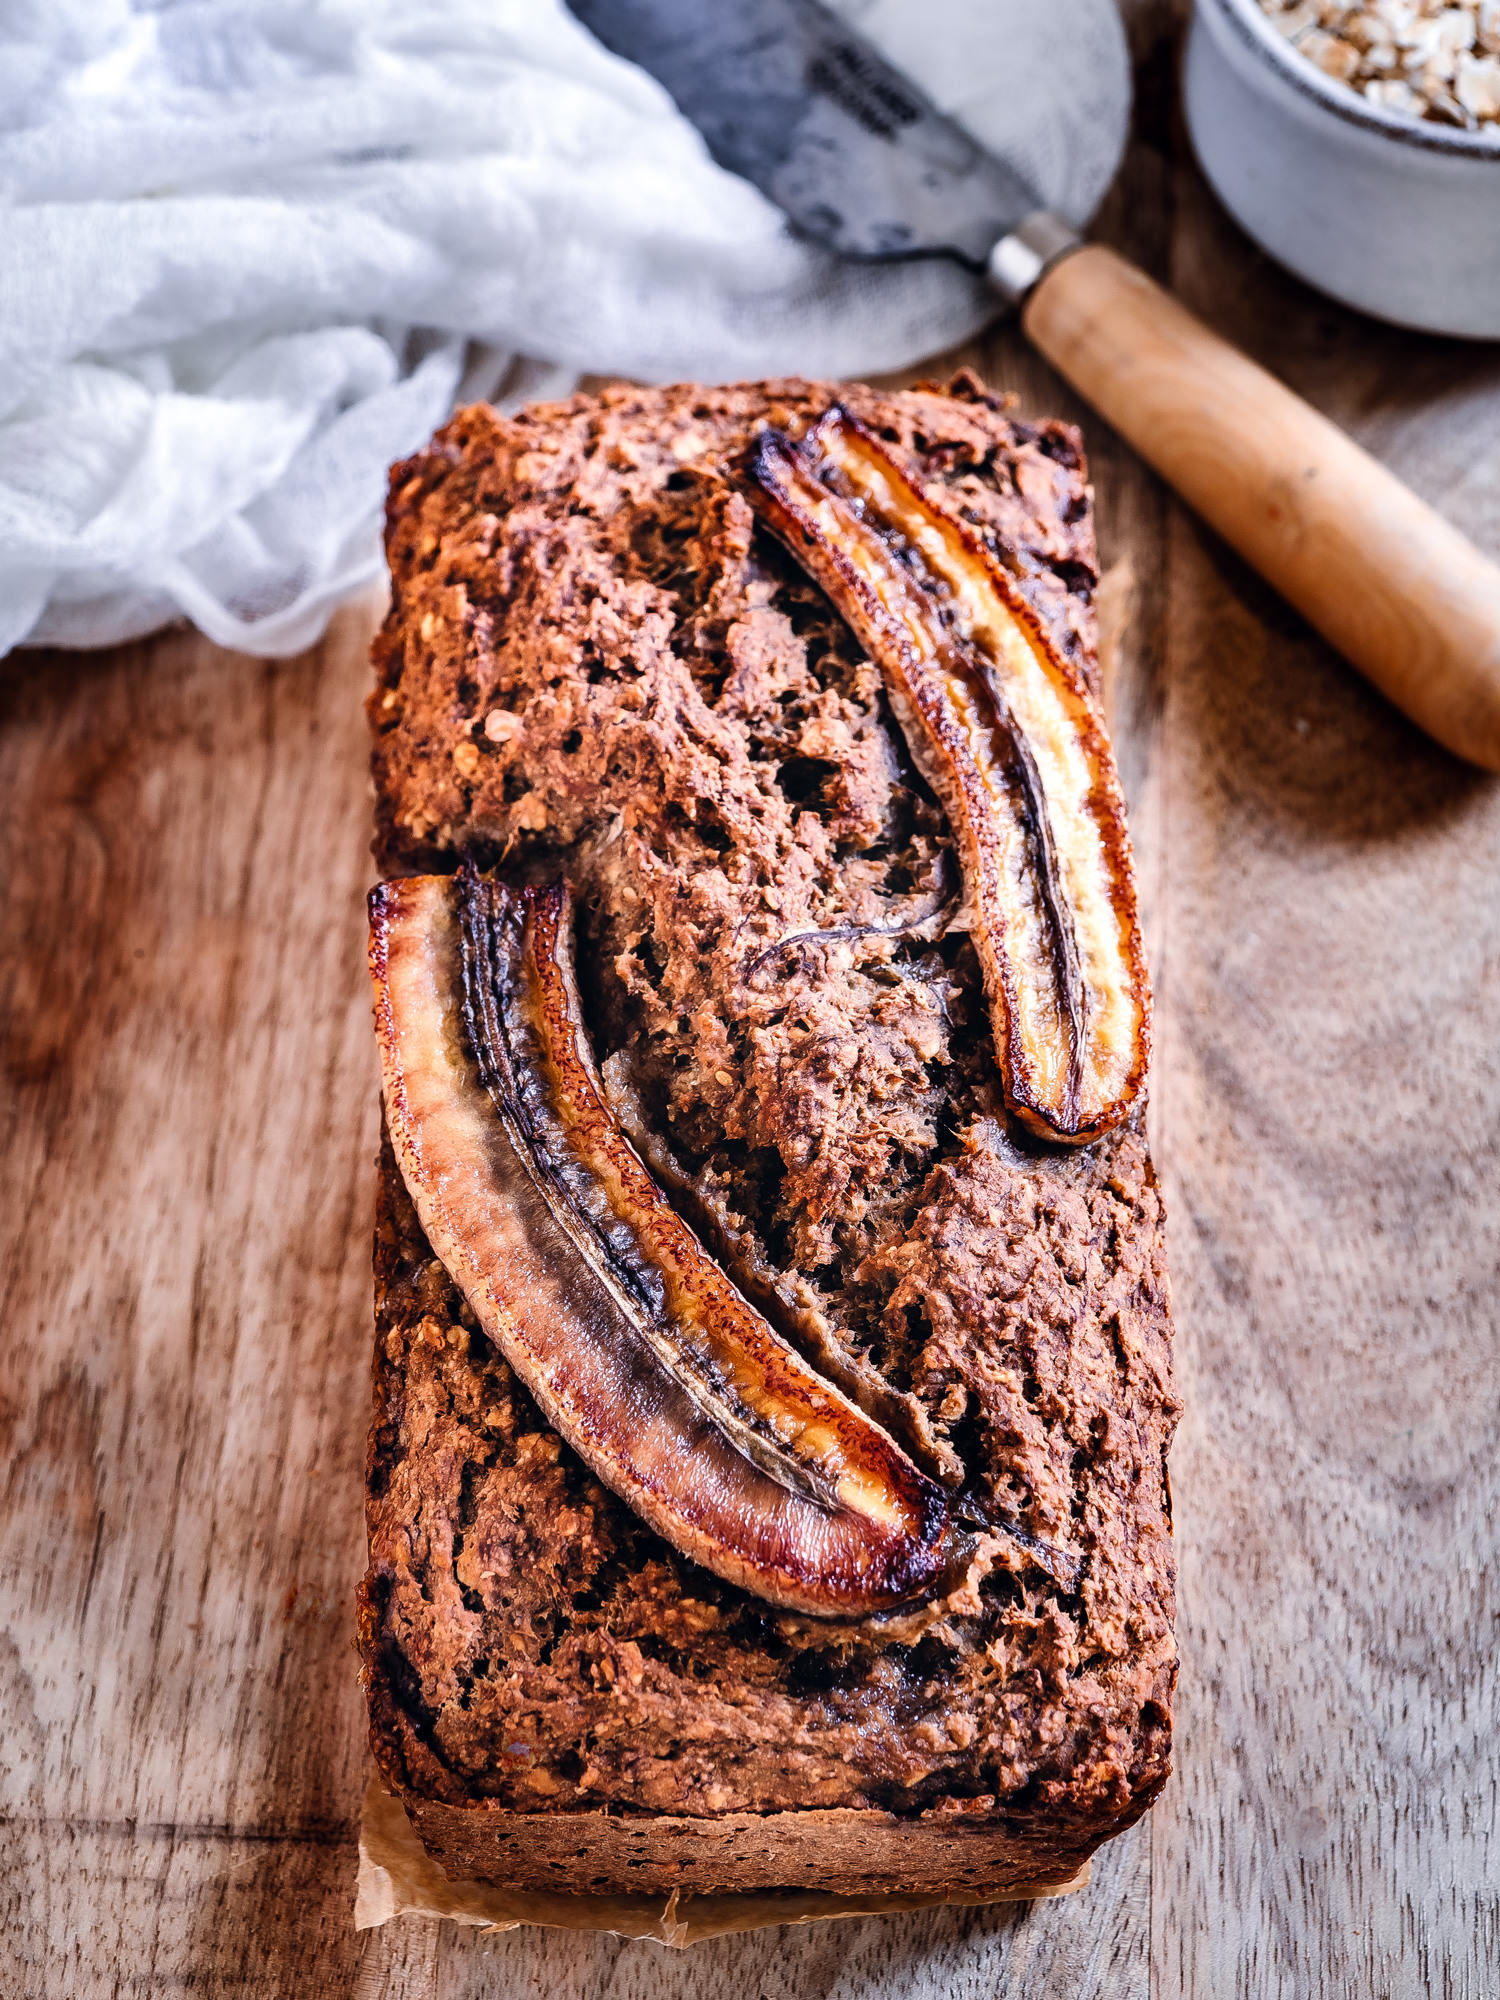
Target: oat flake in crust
(594, 660)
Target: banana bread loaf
(598, 659)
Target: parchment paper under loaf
(398, 1879)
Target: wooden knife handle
(1401, 593)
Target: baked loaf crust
(595, 659)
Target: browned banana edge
(833, 438)
(637, 1346)
(937, 678)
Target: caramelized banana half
(638, 1348)
(1009, 738)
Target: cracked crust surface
(594, 657)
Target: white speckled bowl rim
(1425, 135)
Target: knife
(789, 96)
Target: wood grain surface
(186, 1137)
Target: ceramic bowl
(1397, 215)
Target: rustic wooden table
(189, 1123)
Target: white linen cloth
(252, 250)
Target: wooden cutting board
(188, 1120)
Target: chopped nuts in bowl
(1360, 145)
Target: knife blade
(786, 95)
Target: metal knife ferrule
(1020, 259)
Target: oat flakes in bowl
(1338, 148)
(1436, 59)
